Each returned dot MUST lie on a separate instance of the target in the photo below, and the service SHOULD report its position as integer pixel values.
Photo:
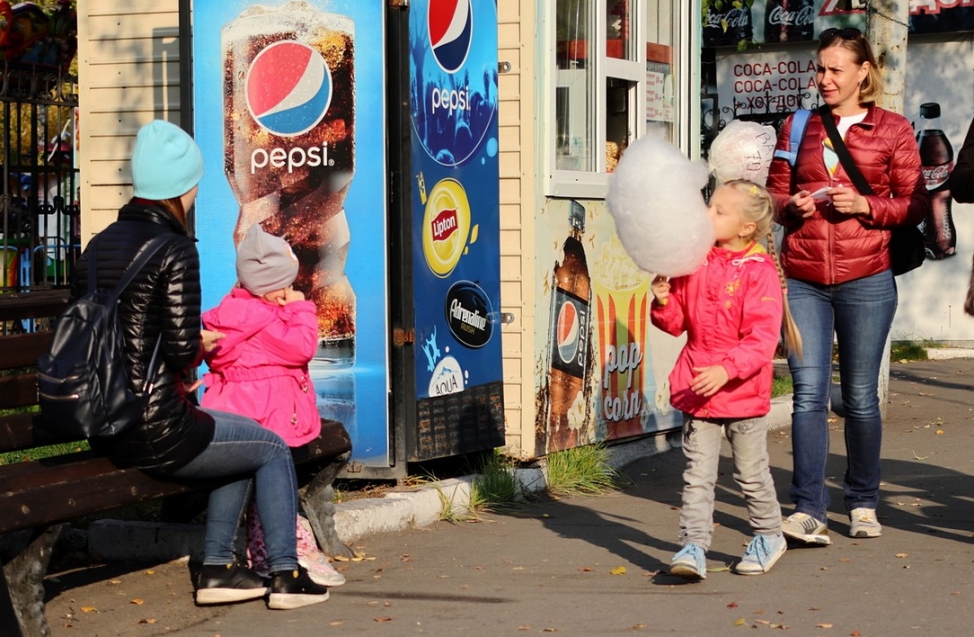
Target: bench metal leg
(23, 581)
(319, 505)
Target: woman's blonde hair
(759, 209)
(855, 42)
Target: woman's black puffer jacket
(162, 302)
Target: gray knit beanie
(264, 262)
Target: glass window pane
(618, 20)
(619, 123)
(575, 82)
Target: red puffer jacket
(830, 247)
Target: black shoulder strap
(840, 149)
(146, 252)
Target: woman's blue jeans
(859, 313)
(258, 459)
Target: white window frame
(594, 184)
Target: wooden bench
(38, 497)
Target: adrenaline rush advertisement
(456, 226)
(289, 113)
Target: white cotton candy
(656, 200)
(743, 150)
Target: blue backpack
(798, 122)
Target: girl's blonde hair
(759, 209)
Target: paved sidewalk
(595, 566)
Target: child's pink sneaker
(320, 569)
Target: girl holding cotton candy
(731, 309)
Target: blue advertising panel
(290, 115)
(456, 226)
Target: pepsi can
(289, 148)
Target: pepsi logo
(450, 24)
(288, 88)
(567, 332)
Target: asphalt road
(597, 565)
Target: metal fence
(40, 230)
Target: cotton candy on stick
(661, 218)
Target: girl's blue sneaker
(761, 554)
(690, 562)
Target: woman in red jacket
(835, 254)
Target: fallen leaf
(619, 570)
(741, 622)
(586, 569)
(518, 568)
(940, 432)
(147, 621)
(137, 601)
(526, 627)
(336, 623)
(150, 572)
(823, 625)
(115, 581)
(382, 619)
(762, 621)
(549, 630)
(89, 609)
(732, 605)
(902, 555)
(719, 569)
(637, 626)
(855, 633)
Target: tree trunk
(886, 29)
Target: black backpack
(83, 382)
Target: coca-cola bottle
(789, 20)
(568, 333)
(937, 159)
(727, 25)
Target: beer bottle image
(789, 20)
(727, 25)
(568, 333)
(937, 160)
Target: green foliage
(581, 471)
(495, 485)
(908, 351)
(781, 385)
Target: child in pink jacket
(260, 367)
(731, 309)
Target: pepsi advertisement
(455, 226)
(289, 101)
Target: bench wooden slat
(18, 391)
(23, 350)
(16, 306)
(25, 431)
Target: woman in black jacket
(175, 438)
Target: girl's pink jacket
(731, 309)
(260, 369)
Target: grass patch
(902, 351)
(495, 485)
(581, 471)
(781, 385)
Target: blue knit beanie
(166, 162)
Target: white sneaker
(864, 523)
(805, 528)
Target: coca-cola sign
(783, 17)
(936, 176)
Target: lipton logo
(446, 226)
(468, 314)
